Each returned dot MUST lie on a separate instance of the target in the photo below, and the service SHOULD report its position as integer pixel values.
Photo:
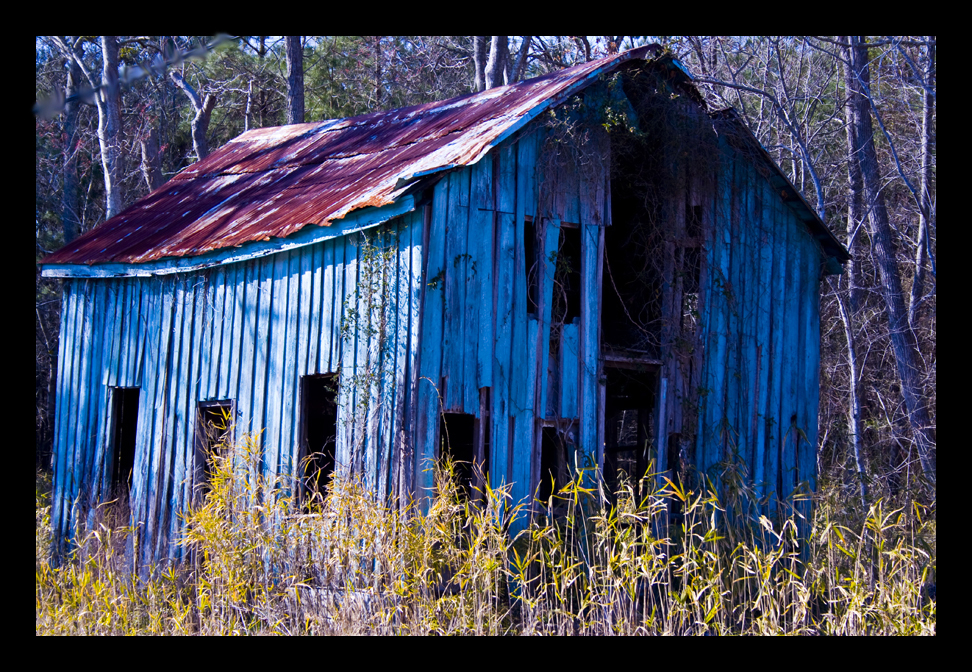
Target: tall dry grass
(256, 561)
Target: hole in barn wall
(318, 421)
(567, 276)
(628, 426)
(124, 413)
(457, 436)
(214, 430)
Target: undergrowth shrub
(254, 560)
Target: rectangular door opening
(628, 427)
(124, 414)
(318, 431)
(554, 469)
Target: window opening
(457, 432)
(318, 430)
(214, 431)
(532, 267)
(691, 267)
(567, 276)
(124, 413)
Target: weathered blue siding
(245, 332)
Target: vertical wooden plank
(709, 444)
(189, 354)
(102, 377)
(227, 385)
(318, 303)
(262, 352)
(521, 395)
(160, 444)
(82, 340)
(120, 333)
(289, 386)
(776, 423)
(810, 354)
(504, 173)
(481, 221)
(373, 299)
(364, 364)
(749, 245)
(456, 265)
(216, 315)
(569, 370)
(324, 306)
(174, 425)
(389, 381)
(62, 397)
(307, 337)
(430, 362)
(764, 303)
(147, 364)
(240, 377)
(247, 305)
(471, 308)
(275, 384)
(337, 306)
(416, 293)
(589, 346)
(734, 374)
(84, 393)
(552, 240)
(204, 318)
(205, 311)
(789, 410)
(346, 451)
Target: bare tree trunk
(479, 61)
(928, 112)
(109, 125)
(499, 55)
(69, 196)
(151, 165)
(200, 122)
(295, 80)
(902, 337)
(248, 114)
(854, 405)
(521, 59)
(378, 72)
(263, 92)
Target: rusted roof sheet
(269, 183)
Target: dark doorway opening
(554, 470)
(318, 430)
(628, 426)
(124, 414)
(457, 439)
(214, 431)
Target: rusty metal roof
(246, 198)
(269, 183)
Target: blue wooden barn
(588, 269)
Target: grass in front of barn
(347, 565)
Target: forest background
(851, 120)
